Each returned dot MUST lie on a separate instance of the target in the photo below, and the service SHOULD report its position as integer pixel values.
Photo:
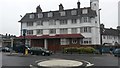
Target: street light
(24, 34)
(12, 42)
(21, 26)
(100, 32)
(100, 27)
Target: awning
(52, 36)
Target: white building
(68, 26)
(1, 40)
(110, 36)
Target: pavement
(21, 54)
(16, 54)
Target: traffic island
(61, 63)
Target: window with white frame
(39, 23)
(64, 41)
(39, 31)
(64, 31)
(29, 32)
(74, 41)
(52, 31)
(62, 13)
(31, 16)
(74, 21)
(52, 22)
(85, 29)
(50, 14)
(84, 11)
(74, 30)
(86, 41)
(29, 23)
(40, 15)
(73, 12)
(63, 22)
(104, 37)
(27, 41)
(86, 19)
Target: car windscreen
(117, 50)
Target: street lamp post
(24, 34)
(21, 26)
(12, 42)
(100, 28)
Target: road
(98, 60)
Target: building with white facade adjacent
(110, 36)
(52, 29)
(118, 18)
(6, 40)
(1, 40)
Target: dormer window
(84, 11)
(73, 12)
(31, 16)
(40, 15)
(62, 13)
(50, 14)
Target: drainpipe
(45, 44)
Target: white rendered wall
(95, 33)
(119, 13)
(94, 28)
(111, 40)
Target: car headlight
(47, 51)
(28, 48)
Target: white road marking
(88, 63)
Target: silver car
(117, 52)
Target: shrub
(79, 50)
(89, 50)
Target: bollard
(26, 51)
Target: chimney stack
(38, 9)
(61, 8)
(102, 26)
(78, 4)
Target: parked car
(0, 49)
(39, 51)
(5, 49)
(20, 48)
(117, 52)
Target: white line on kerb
(88, 63)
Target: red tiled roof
(54, 36)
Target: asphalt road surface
(105, 60)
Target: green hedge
(80, 50)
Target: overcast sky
(10, 11)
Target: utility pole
(100, 28)
(24, 34)
(11, 46)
